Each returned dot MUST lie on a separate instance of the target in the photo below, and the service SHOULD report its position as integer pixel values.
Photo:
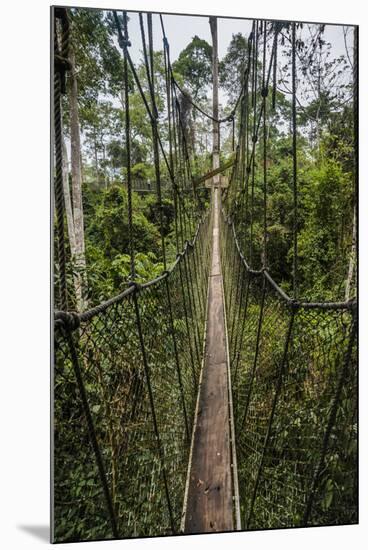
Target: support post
(215, 101)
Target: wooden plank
(223, 183)
(212, 173)
(210, 495)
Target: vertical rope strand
(274, 89)
(128, 149)
(271, 418)
(295, 183)
(356, 145)
(58, 190)
(92, 434)
(264, 95)
(61, 63)
(331, 421)
(155, 138)
(153, 411)
(254, 141)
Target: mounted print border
(205, 183)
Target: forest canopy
(203, 229)
(96, 155)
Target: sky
(180, 29)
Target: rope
(153, 410)
(266, 328)
(356, 119)
(272, 415)
(274, 88)
(150, 41)
(92, 434)
(153, 120)
(254, 138)
(171, 155)
(151, 84)
(60, 53)
(128, 149)
(331, 421)
(149, 69)
(255, 353)
(264, 96)
(177, 363)
(193, 103)
(295, 183)
(184, 157)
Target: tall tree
(194, 64)
(353, 251)
(80, 258)
(324, 81)
(232, 66)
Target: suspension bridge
(207, 399)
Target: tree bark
(353, 251)
(80, 259)
(77, 279)
(352, 260)
(215, 101)
(104, 165)
(68, 202)
(96, 158)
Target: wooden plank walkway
(209, 506)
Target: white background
(24, 273)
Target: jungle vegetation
(95, 187)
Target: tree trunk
(80, 260)
(96, 158)
(353, 251)
(77, 279)
(215, 101)
(81, 166)
(318, 132)
(68, 202)
(104, 161)
(352, 260)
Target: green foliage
(232, 66)
(98, 60)
(107, 239)
(323, 240)
(194, 64)
(167, 210)
(324, 214)
(324, 229)
(110, 227)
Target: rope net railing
(294, 381)
(138, 360)
(126, 371)
(293, 363)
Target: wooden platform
(209, 504)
